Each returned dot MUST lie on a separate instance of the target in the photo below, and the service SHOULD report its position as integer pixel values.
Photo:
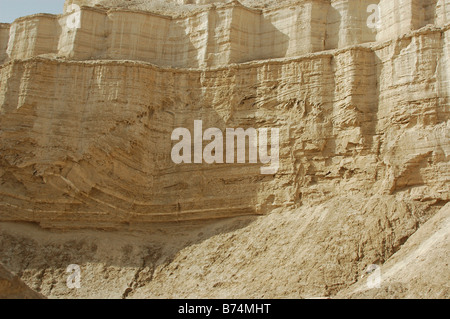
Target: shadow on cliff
(271, 43)
(40, 257)
(333, 29)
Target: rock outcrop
(89, 99)
(214, 35)
(11, 287)
(418, 270)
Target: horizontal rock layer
(218, 34)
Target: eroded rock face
(11, 287)
(86, 116)
(213, 35)
(418, 270)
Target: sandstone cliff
(86, 114)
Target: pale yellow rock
(216, 34)
(86, 116)
(86, 145)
